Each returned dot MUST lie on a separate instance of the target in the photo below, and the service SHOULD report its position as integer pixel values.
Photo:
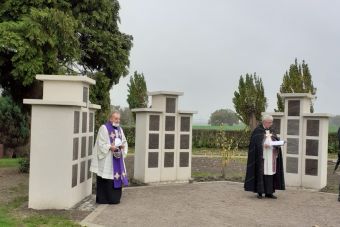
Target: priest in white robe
(264, 165)
(108, 162)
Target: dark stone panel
(292, 146)
(184, 159)
(74, 175)
(169, 159)
(154, 122)
(76, 122)
(312, 147)
(170, 123)
(311, 167)
(82, 171)
(171, 105)
(169, 142)
(293, 127)
(75, 148)
(153, 160)
(83, 147)
(153, 141)
(89, 173)
(294, 108)
(84, 125)
(85, 94)
(313, 127)
(185, 124)
(292, 165)
(90, 145)
(277, 126)
(184, 142)
(91, 124)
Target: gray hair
(114, 112)
(267, 117)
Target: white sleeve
(103, 142)
(125, 144)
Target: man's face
(267, 123)
(115, 118)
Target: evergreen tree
(250, 101)
(14, 130)
(297, 80)
(137, 97)
(100, 95)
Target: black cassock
(105, 193)
(255, 179)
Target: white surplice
(102, 163)
(269, 156)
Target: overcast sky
(201, 47)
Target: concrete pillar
(62, 138)
(306, 152)
(163, 140)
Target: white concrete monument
(306, 151)
(62, 130)
(163, 140)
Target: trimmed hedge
(206, 138)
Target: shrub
(14, 129)
(24, 165)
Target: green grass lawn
(41, 220)
(10, 215)
(224, 127)
(12, 212)
(8, 218)
(9, 162)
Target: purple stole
(119, 171)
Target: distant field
(333, 128)
(224, 127)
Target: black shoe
(271, 196)
(339, 198)
(259, 196)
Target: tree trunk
(9, 152)
(2, 150)
(252, 121)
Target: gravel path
(216, 204)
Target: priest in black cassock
(108, 162)
(264, 166)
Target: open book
(118, 142)
(277, 143)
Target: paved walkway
(216, 204)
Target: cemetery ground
(206, 166)
(14, 197)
